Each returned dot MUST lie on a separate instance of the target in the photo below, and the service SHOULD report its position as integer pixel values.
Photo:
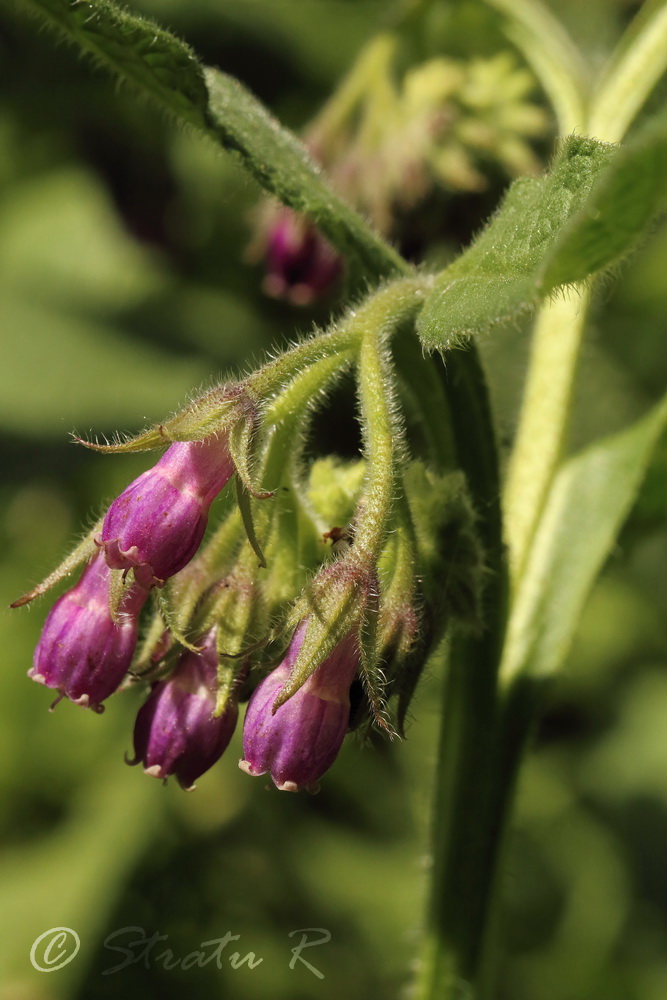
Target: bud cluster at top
(391, 135)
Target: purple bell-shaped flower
(82, 652)
(301, 265)
(300, 740)
(176, 731)
(156, 525)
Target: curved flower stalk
(176, 731)
(298, 741)
(84, 653)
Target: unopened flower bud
(156, 525)
(300, 740)
(82, 652)
(176, 731)
(301, 265)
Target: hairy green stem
(560, 324)
(272, 378)
(544, 418)
(422, 391)
(630, 79)
(470, 805)
(379, 450)
(287, 413)
(382, 433)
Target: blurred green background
(122, 290)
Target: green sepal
(174, 623)
(231, 675)
(213, 413)
(213, 562)
(333, 604)
(241, 449)
(371, 672)
(451, 568)
(243, 499)
(398, 616)
(238, 610)
(400, 624)
(292, 549)
(234, 604)
(119, 580)
(153, 645)
(233, 671)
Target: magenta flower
(301, 740)
(301, 265)
(156, 525)
(82, 652)
(176, 732)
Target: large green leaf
(500, 275)
(591, 210)
(136, 48)
(624, 201)
(164, 67)
(586, 508)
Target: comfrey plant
(316, 591)
(263, 581)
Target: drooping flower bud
(301, 265)
(156, 525)
(82, 652)
(300, 740)
(176, 731)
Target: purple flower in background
(301, 265)
(82, 652)
(176, 732)
(156, 525)
(301, 740)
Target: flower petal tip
(287, 786)
(248, 768)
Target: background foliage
(123, 287)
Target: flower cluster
(297, 595)
(387, 139)
(154, 528)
